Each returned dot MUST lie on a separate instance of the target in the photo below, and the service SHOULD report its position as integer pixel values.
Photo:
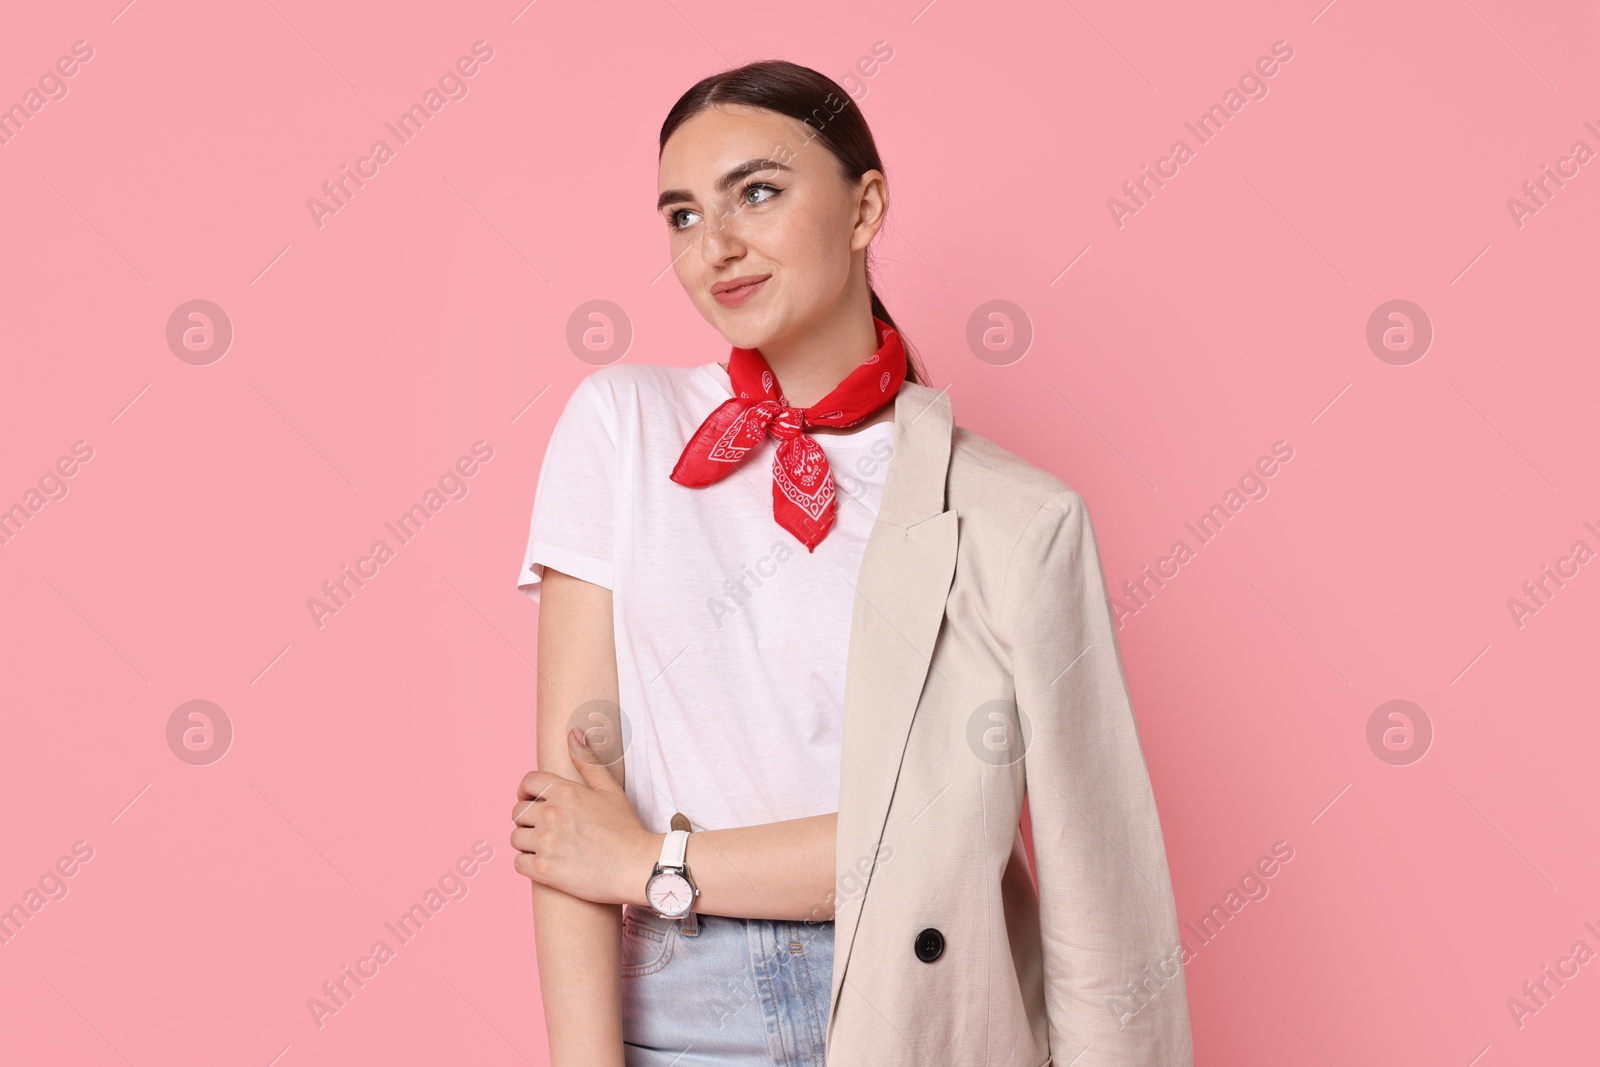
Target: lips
(736, 291)
(738, 283)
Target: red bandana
(802, 484)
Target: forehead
(714, 141)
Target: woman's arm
(777, 870)
(584, 839)
(578, 941)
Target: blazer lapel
(901, 589)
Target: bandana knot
(787, 422)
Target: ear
(872, 204)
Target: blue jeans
(722, 991)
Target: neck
(812, 359)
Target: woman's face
(747, 195)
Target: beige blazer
(983, 666)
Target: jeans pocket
(646, 949)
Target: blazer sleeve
(1113, 961)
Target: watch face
(669, 893)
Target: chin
(743, 328)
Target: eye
(673, 216)
(754, 186)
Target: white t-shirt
(731, 637)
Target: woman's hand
(582, 838)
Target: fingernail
(577, 735)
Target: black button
(930, 945)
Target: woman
(789, 607)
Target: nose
(719, 237)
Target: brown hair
(819, 102)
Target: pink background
(432, 311)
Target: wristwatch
(670, 888)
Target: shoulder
(633, 379)
(1025, 528)
(989, 482)
(637, 389)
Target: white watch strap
(674, 847)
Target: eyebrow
(724, 183)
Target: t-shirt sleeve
(573, 504)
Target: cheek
(686, 263)
(812, 254)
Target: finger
(587, 761)
(525, 839)
(523, 812)
(535, 785)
